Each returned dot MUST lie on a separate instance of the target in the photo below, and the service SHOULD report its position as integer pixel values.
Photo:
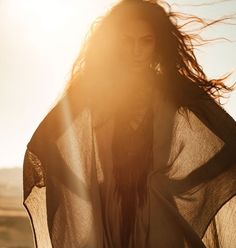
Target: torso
(140, 104)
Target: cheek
(149, 50)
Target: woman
(138, 152)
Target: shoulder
(205, 110)
(57, 120)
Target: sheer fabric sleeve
(35, 198)
(60, 185)
(195, 170)
(203, 174)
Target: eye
(148, 40)
(126, 40)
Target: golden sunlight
(117, 132)
(39, 43)
(41, 40)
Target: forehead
(137, 28)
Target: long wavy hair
(99, 72)
(175, 59)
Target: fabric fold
(191, 185)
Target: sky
(39, 41)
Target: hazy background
(39, 41)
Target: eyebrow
(147, 36)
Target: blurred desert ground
(15, 227)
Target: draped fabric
(189, 183)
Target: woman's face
(138, 44)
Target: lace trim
(38, 170)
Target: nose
(136, 49)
